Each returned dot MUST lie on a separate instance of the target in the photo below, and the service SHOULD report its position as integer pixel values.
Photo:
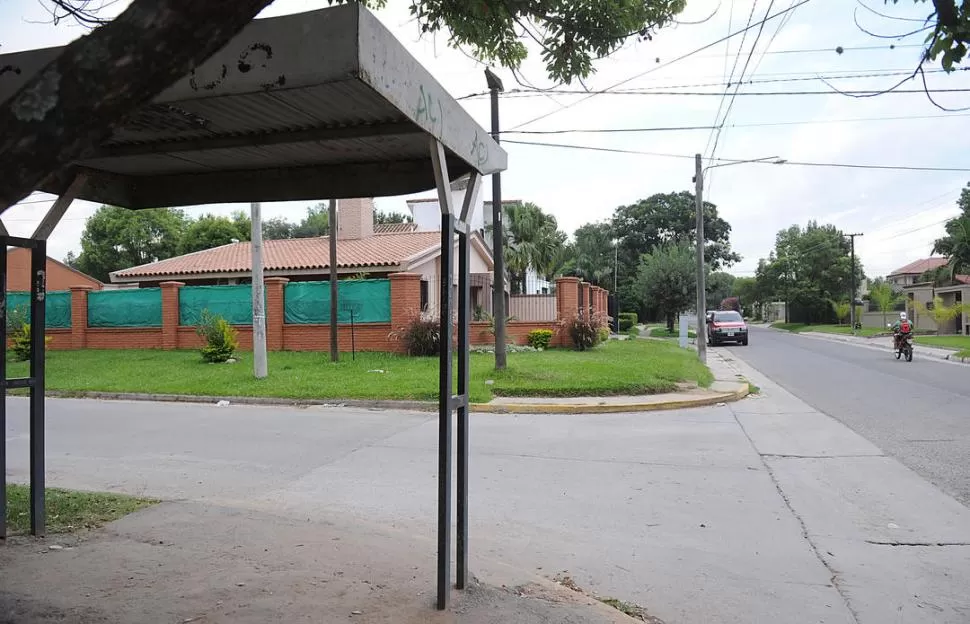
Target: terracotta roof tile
(965, 279)
(395, 228)
(920, 266)
(389, 249)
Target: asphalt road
(918, 412)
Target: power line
(642, 92)
(739, 160)
(742, 125)
(667, 64)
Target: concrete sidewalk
(186, 562)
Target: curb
(601, 408)
(417, 406)
(936, 353)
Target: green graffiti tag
(424, 111)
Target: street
(918, 412)
(760, 511)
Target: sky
(899, 213)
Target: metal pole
(334, 347)
(444, 410)
(38, 353)
(498, 293)
(3, 392)
(464, 318)
(616, 294)
(701, 298)
(852, 318)
(259, 312)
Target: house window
(424, 295)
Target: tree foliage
(956, 244)
(950, 36)
(667, 280)
(719, 286)
(531, 240)
(809, 267)
(211, 231)
(595, 254)
(117, 238)
(153, 43)
(885, 297)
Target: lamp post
(699, 199)
(498, 280)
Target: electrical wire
(663, 65)
(739, 161)
(742, 125)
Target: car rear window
(727, 317)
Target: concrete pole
(334, 346)
(498, 280)
(701, 297)
(259, 312)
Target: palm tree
(532, 241)
(956, 244)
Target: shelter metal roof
(317, 105)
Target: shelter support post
(35, 382)
(448, 403)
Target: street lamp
(699, 199)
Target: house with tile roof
(362, 248)
(909, 274)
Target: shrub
(220, 337)
(18, 329)
(627, 320)
(421, 336)
(540, 338)
(20, 342)
(633, 332)
(585, 332)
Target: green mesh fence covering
(233, 303)
(58, 307)
(137, 307)
(309, 302)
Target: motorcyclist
(901, 327)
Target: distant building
(909, 274)
(59, 276)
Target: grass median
(960, 343)
(829, 329)
(618, 367)
(69, 510)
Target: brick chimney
(355, 218)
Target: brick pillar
(405, 298)
(170, 314)
(567, 297)
(275, 315)
(79, 316)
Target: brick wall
(405, 304)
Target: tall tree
(667, 278)
(956, 244)
(808, 268)
(277, 228)
(746, 289)
(951, 33)
(116, 238)
(595, 254)
(719, 286)
(663, 219)
(315, 223)
(153, 43)
(211, 231)
(532, 241)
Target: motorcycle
(903, 345)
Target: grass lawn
(68, 510)
(950, 342)
(616, 367)
(662, 332)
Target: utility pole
(616, 292)
(332, 226)
(701, 291)
(498, 280)
(259, 313)
(852, 318)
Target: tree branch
(72, 104)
